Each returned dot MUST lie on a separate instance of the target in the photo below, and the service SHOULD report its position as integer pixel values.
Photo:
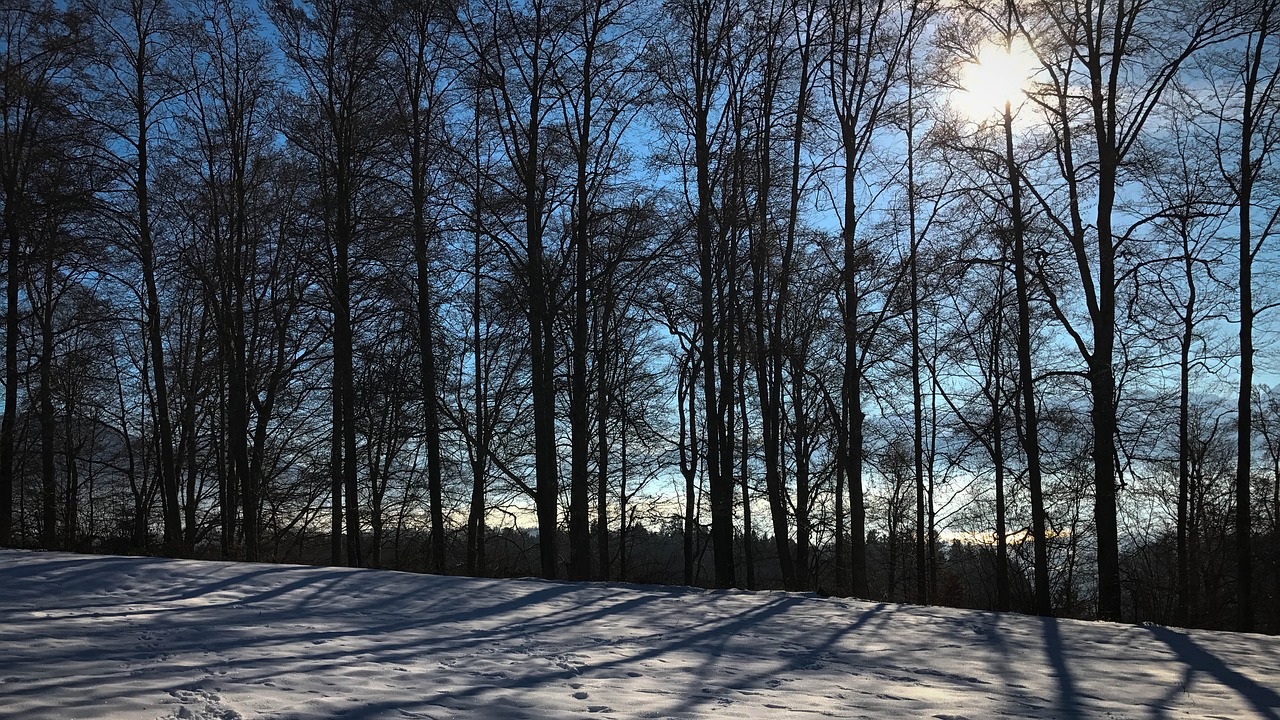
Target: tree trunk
(602, 437)
(1184, 439)
(344, 371)
(917, 413)
(430, 396)
(688, 445)
(841, 541)
(8, 426)
(48, 425)
(721, 489)
(852, 389)
(1244, 406)
(803, 451)
(579, 500)
(146, 252)
(997, 459)
(480, 456)
(335, 479)
(1102, 390)
(541, 344)
(1026, 375)
(748, 532)
(71, 525)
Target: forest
(963, 302)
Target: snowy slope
(111, 637)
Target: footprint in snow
(581, 695)
(201, 705)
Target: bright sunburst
(1001, 74)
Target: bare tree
(335, 45)
(1257, 131)
(691, 64)
(1125, 56)
(601, 92)
(869, 42)
(518, 47)
(42, 48)
(419, 73)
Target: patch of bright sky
(1001, 75)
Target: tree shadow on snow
(1067, 706)
(252, 626)
(1197, 660)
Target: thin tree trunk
(998, 460)
(238, 421)
(427, 353)
(71, 529)
(686, 391)
(803, 455)
(14, 273)
(917, 413)
(852, 391)
(228, 490)
(146, 252)
(1244, 404)
(48, 425)
(803, 526)
(721, 492)
(841, 542)
(480, 458)
(336, 544)
(768, 336)
(1026, 375)
(602, 437)
(624, 520)
(541, 340)
(1184, 439)
(343, 373)
(748, 532)
(579, 501)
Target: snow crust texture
(128, 638)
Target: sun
(1001, 75)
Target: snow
(114, 637)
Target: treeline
(910, 299)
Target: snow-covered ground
(112, 637)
